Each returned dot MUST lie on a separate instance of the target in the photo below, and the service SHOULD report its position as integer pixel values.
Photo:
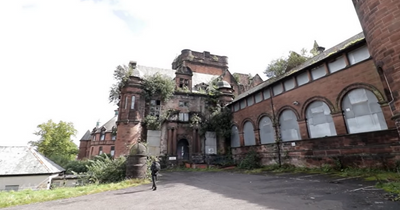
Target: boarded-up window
(319, 120)
(302, 78)
(337, 64)
(258, 97)
(153, 142)
(236, 107)
(318, 72)
(289, 84)
(278, 89)
(362, 112)
(267, 132)
(235, 139)
(358, 55)
(250, 101)
(289, 127)
(267, 94)
(211, 143)
(249, 137)
(243, 104)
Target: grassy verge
(12, 198)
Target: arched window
(362, 112)
(289, 126)
(249, 138)
(235, 139)
(267, 132)
(319, 120)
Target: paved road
(225, 190)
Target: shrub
(250, 161)
(78, 166)
(103, 169)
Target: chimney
(116, 112)
(98, 123)
(320, 49)
(132, 64)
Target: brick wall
(381, 25)
(371, 149)
(364, 149)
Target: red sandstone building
(192, 72)
(334, 107)
(341, 106)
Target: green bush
(250, 161)
(103, 169)
(78, 166)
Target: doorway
(183, 149)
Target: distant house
(22, 167)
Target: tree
(121, 75)
(281, 65)
(158, 85)
(55, 142)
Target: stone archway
(182, 149)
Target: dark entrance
(183, 149)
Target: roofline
(8, 175)
(331, 52)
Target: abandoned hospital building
(341, 105)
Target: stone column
(174, 141)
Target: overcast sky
(57, 57)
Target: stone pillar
(169, 142)
(381, 25)
(174, 141)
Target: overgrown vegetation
(12, 198)
(250, 161)
(152, 122)
(157, 85)
(220, 121)
(121, 75)
(103, 169)
(77, 166)
(281, 65)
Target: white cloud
(57, 57)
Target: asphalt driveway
(226, 190)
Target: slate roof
(24, 160)
(108, 125)
(324, 55)
(87, 136)
(197, 78)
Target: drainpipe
(278, 142)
